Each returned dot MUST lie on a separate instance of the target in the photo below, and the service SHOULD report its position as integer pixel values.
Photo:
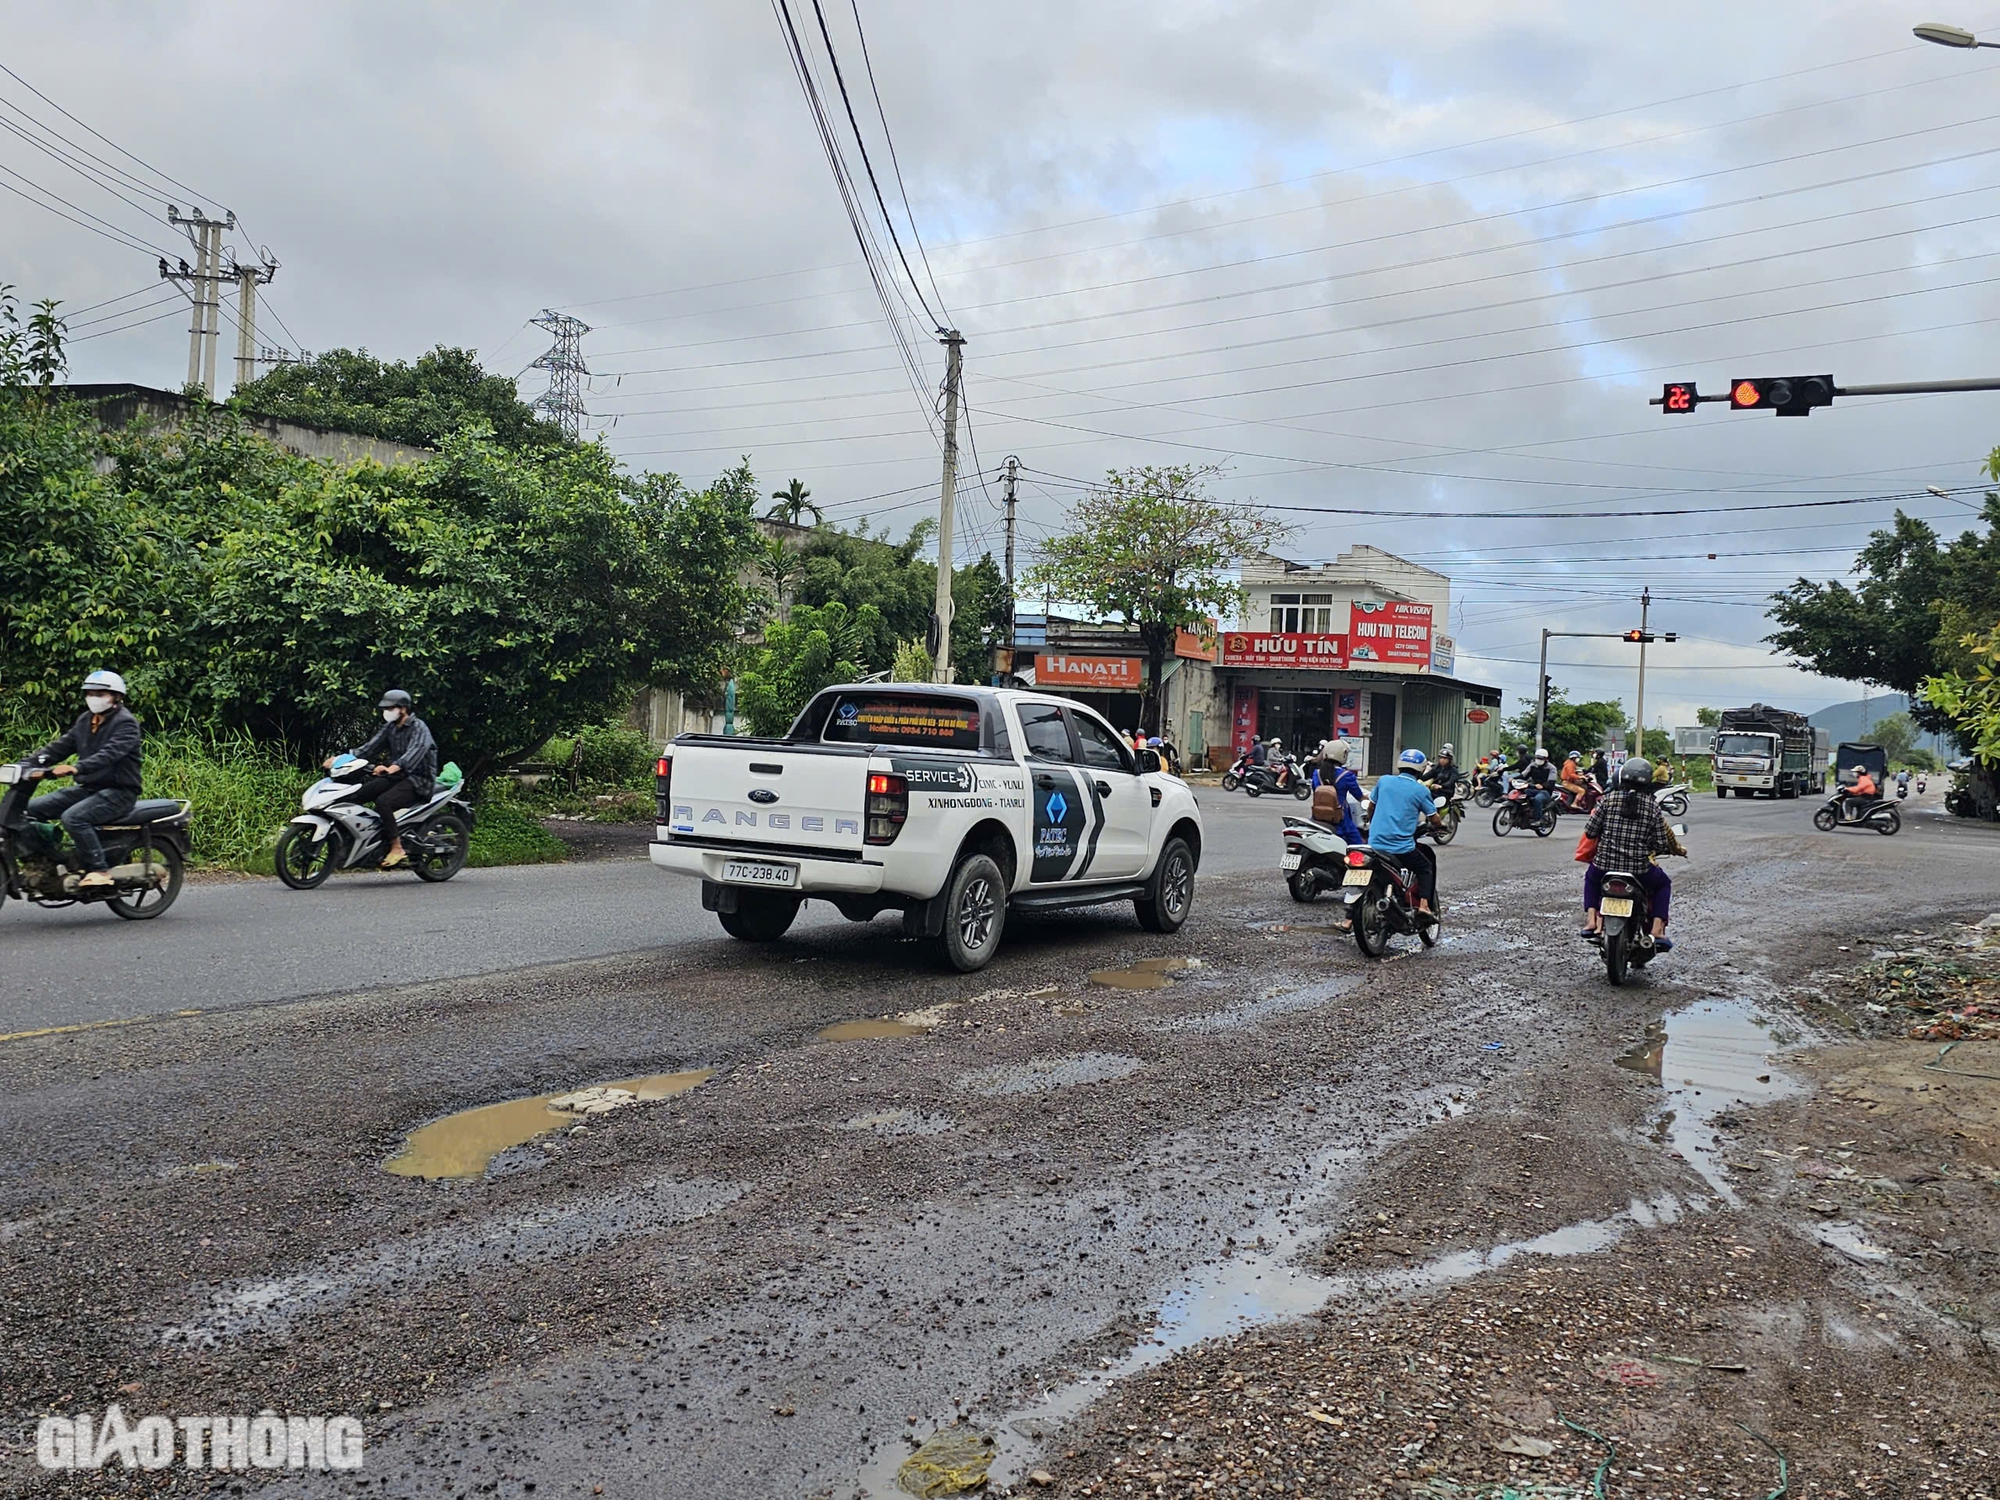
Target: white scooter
(334, 832)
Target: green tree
(1659, 745)
(1897, 735)
(859, 570)
(31, 353)
(794, 501)
(421, 404)
(815, 649)
(1150, 547)
(912, 664)
(1570, 726)
(1708, 718)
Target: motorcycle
(1314, 860)
(1921, 783)
(1278, 777)
(1233, 777)
(1584, 802)
(1381, 900)
(1627, 934)
(334, 832)
(1673, 799)
(1451, 813)
(147, 853)
(1902, 788)
(1492, 787)
(1880, 815)
(1517, 810)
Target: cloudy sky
(1429, 257)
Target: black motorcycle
(1627, 935)
(1879, 814)
(1381, 901)
(1492, 787)
(147, 852)
(1278, 778)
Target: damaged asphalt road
(1041, 1197)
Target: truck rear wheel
(975, 912)
(760, 916)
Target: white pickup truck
(952, 805)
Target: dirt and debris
(1938, 985)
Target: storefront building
(1351, 649)
(1104, 667)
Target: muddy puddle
(463, 1145)
(1274, 1004)
(1710, 1058)
(870, 1031)
(1146, 974)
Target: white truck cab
(952, 805)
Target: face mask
(391, 715)
(97, 703)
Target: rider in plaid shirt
(1630, 830)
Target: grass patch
(509, 833)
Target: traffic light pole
(1642, 635)
(1800, 395)
(1645, 608)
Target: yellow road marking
(22, 1036)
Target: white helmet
(1541, 752)
(105, 682)
(1336, 751)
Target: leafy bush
(614, 755)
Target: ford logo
(763, 794)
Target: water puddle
(1710, 1058)
(1040, 1075)
(869, 1031)
(953, 1462)
(463, 1145)
(1251, 1289)
(1146, 974)
(1272, 1005)
(1850, 1242)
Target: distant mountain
(1843, 721)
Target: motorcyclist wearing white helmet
(1541, 779)
(106, 743)
(406, 771)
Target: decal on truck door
(1059, 824)
(1067, 821)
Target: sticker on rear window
(918, 719)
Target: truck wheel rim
(975, 913)
(1176, 888)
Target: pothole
(898, 1122)
(1041, 1074)
(869, 1031)
(463, 1145)
(1146, 974)
(1709, 1058)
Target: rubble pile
(1936, 986)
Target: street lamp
(1948, 36)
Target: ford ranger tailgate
(749, 793)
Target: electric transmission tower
(563, 400)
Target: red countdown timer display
(1678, 397)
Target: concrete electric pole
(248, 279)
(1013, 473)
(1639, 714)
(941, 615)
(202, 282)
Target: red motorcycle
(1585, 802)
(1517, 810)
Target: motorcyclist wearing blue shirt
(1404, 804)
(1346, 786)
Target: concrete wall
(121, 405)
(1358, 573)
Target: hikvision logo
(265, 1441)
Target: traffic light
(1787, 395)
(1648, 636)
(1679, 396)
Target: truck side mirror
(1149, 762)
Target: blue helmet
(1413, 759)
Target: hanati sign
(1116, 674)
(1395, 631)
(1313, 652)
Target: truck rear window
(922, 720)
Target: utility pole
(202, 284)
(1542, 693)
(953, 343)
(1013, 473)
(1639, 715)
(563, 400)
(248, 279)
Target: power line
(103, 228)
(172, 181)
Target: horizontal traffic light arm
(1799, 395)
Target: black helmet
(396, 698)
(1636, 772)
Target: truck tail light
(888, 807)
(663, 789)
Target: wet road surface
(781, 1278)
